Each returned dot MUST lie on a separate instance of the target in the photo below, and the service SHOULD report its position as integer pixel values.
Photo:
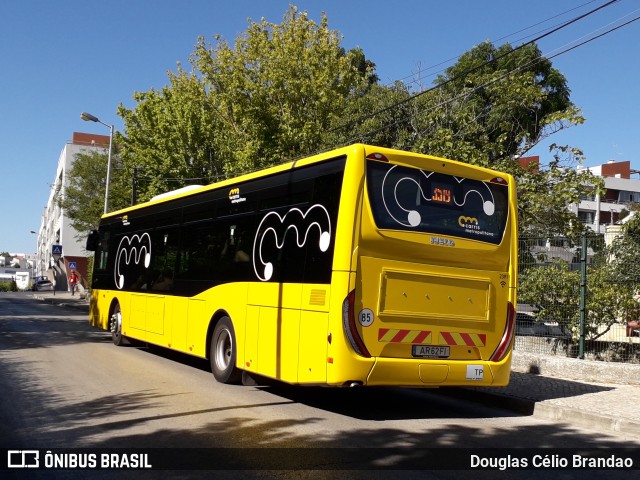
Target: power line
(501, 77)
(474, 69)
(596, 37)
(444, 62)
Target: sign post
(56, 253)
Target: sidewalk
(64, 299)
(603, 396)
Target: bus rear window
(411, 199)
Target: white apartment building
(55, 226)
(600, 211)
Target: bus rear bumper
(434, 373)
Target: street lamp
(87, 117)
(34, 262)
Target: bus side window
(165, 260)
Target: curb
(546, 409)
(61, 302)
(592, 421)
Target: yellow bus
(358, 266)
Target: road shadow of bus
(405, 403)
(398, 403)
(365, 403)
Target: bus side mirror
(92, 241)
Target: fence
(580, 297)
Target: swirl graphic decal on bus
(134, 249)
(439, 193)
(274, 230)
(412, 199)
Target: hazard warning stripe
(392, 335)
(465, 339)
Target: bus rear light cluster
(377, 156)
(499, 180)
(349, 325)
(507, 337)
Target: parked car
(42, 285)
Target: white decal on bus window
(277, 226)
(489, 206)
(413, 218)
(131, 249)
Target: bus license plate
(430, 351)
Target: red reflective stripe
(400, 336)
(448, 338)
(421, 337)
(382, 332)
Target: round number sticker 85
(365, 317)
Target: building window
(586, 217)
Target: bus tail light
(498, 180)
(507, 337)
(349, 325)
(377, 156)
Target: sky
(61, 58)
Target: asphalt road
(66, 386)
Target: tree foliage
(83, 197)
(489, 109)
(286, 90)
(270, 97)
(632, 225)
(545, 192)
(279, 88)
(171, 136)
(502, 102)
(553, 288)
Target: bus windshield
(405, 198)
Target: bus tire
(115, 325)
(223, 353)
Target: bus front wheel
(223, 352)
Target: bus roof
(194, 189)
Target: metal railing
(580, 297)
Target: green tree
(611, 298)
(623, 255)
(545, 193)
(279, 88)
(494, 106)
(632, 226)
(171, 136)
(287, 90)
(489, 109)
(495, 103)
(554, 290)
(270, 98)
(83, 197)
(386, 128)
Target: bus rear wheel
(115, 325)
(223, 352)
